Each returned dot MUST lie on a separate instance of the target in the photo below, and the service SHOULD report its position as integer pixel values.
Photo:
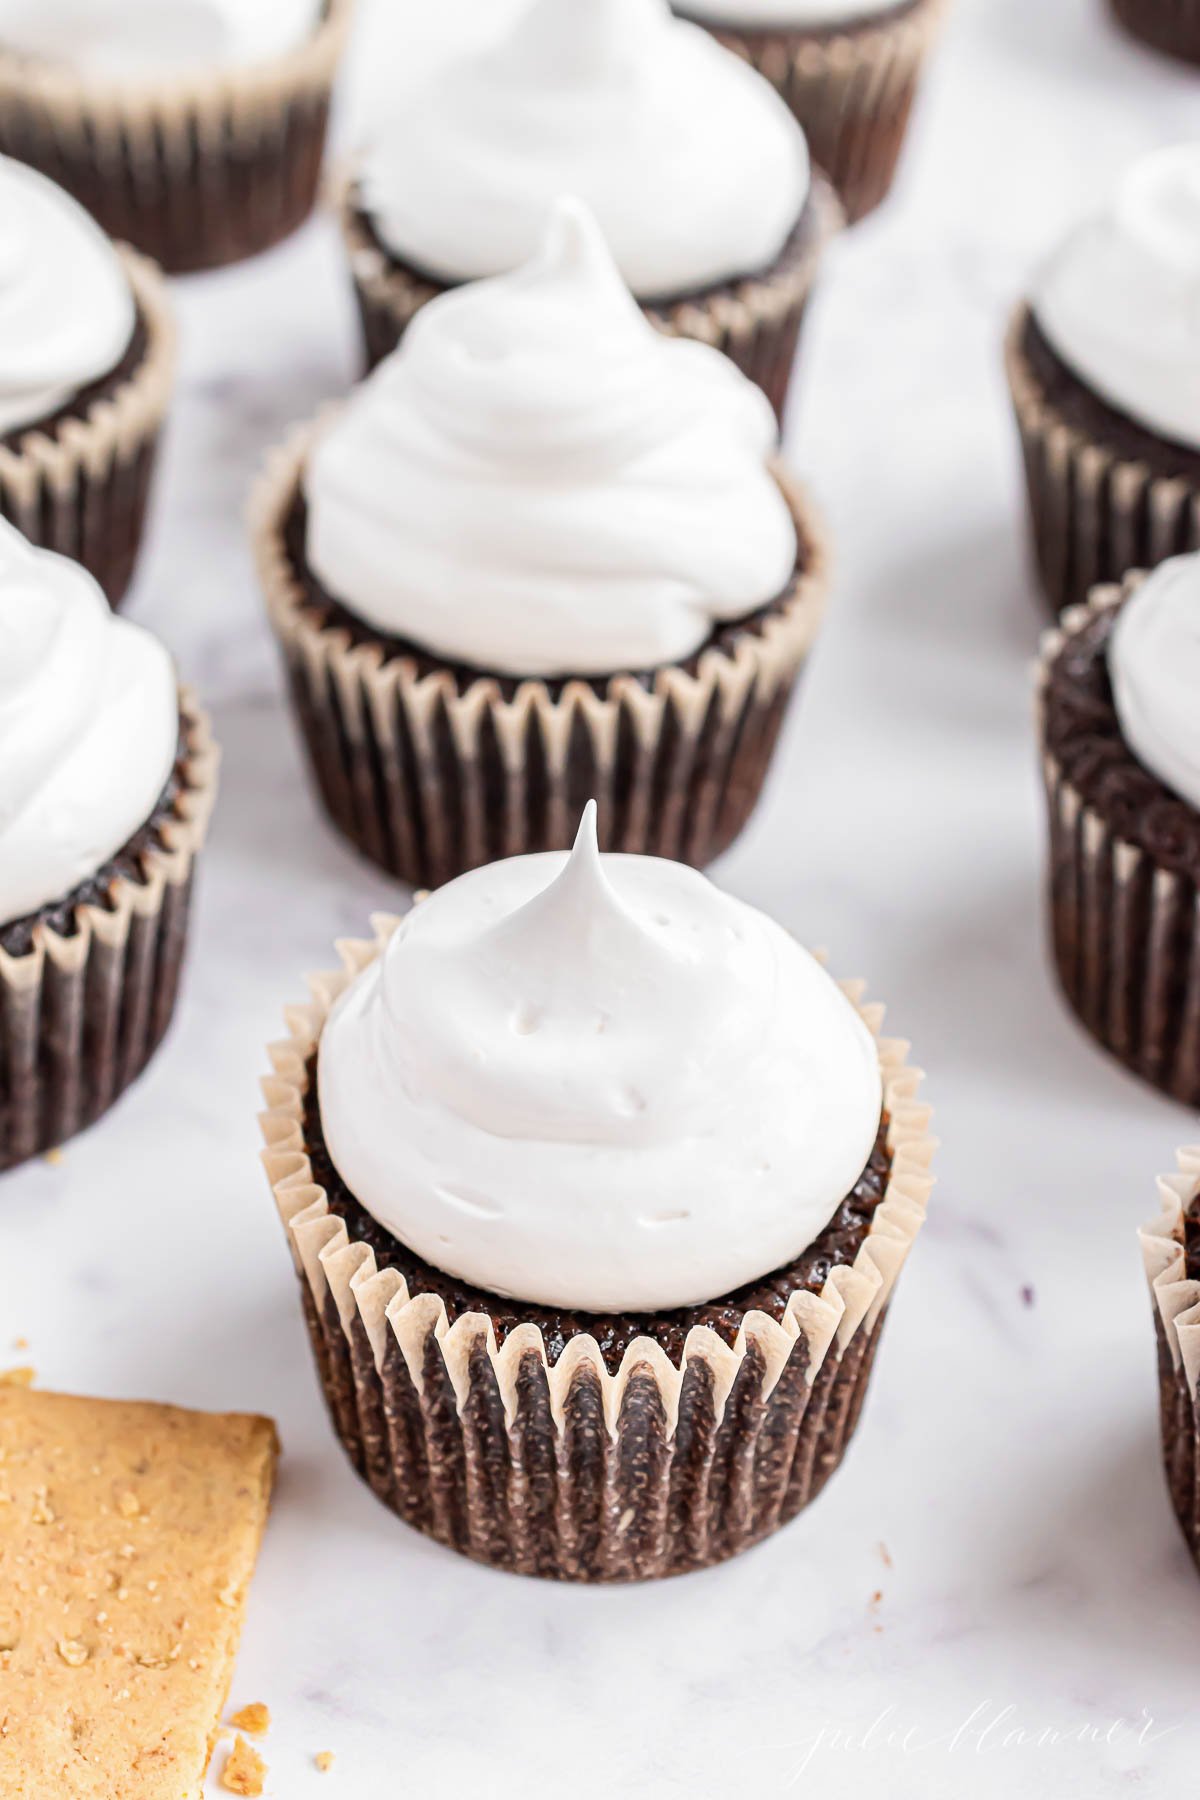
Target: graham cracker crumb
(255, 1718)
(127, 1504)
(23, 1377)
(244, 1770)
(324, 1760)
(43, 1512)
(53, 1156)
(73, 1653)
(228, 1595)
(21, 1343)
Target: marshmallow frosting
(597, 1082)
(693, 165)
(67, 310)
(1119, 300)
(131, 39)
(537, 482)
(799, 15)
(1154, 666)
(89, 722)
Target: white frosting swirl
(66, 307)
(89, 722)
(537, 482)
(1119, 300)
(128, 40)
(800, 15)
(692, 163)
(1154, 666)
(598, 1082)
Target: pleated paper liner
(81, 1015)
(1094, 513)
(571, 1471)
(1125, 929)
(429, 777)
(197, 170)
(1172, 26)
(756, 322)
(852, 92)
(1176, 1301)
(82, 489)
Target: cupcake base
(1172, 26)
(1171, 1254)
(572, 1469)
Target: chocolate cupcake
(107, 778)
(849, 70)
(697, 175)
(1172, 26)
(598, 1188)
(1121, 748)
(193, 129)
(1171, 1253)
(539, 555)
(86, 363)
(1104, 367)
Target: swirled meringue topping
(89, 722)
(131, 39)
(537, 482)
(693, 165)
(1154, 666)
(66, 307)
(1119, 300)
(800, 15)
(597, 1082)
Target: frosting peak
(692, 163)
(537, 482)
(596, 1081)
(1154, 665)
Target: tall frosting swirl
(132, 39)
(66, 307)
(693, 165)
(537, 482)
(1154, 666)
(89, 721)
(1119, 300)
(799, 15)
(598, 1082)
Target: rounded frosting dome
(67, 311)
(1154, 667)
(597, 1082)
(130, 39)
(801, 15)
(1119, 300)
(89, 722)
(536, 482)
(693, 165)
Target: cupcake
(540, 554)
(1172, 26)
(86, 361)
(107, 778)
(1104, 367)
(598, 1187)
(1171, 1253)
(848, 69)
(191, 128)
(697, 174)
(1121, 749)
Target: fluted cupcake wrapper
(81, 1015)
(571, 1471)
(428, 778)
(1094, 513)
(1125, 929)
(1172, 26)
(196, 170)
(851, 91)
(82, 489)
(1176, 1302)
(756, 322)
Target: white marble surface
(1008, 1457)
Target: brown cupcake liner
(1172, 26)
(755, 323)
(197, 171)
(81, 1015)
(81, 490)
(1095, 514)
(1125, 929)
(852, 92)
(571, 1471)
(1176, 1302)
(428, 778)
